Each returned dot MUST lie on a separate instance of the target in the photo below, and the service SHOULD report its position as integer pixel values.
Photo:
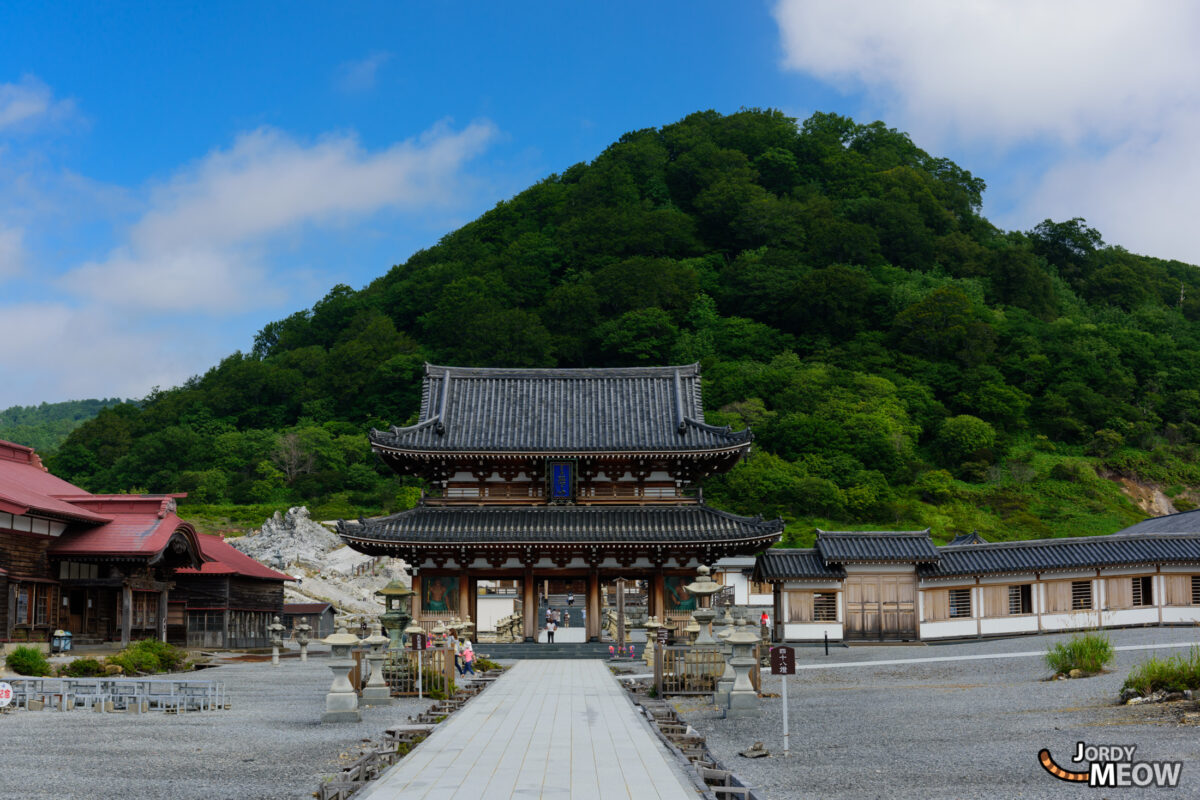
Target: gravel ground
(270, 744)
(969, 729)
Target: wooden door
(881, 607)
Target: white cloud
(1141, 194)
(1004, 70)
(28, 102)
(1105, 91)
(203, 244)
(359, 76)
(12, 252)
(51, 351)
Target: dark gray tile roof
(850, 547)
(967, 538)
(562, 525)
(652, 409)
(1183, 522)
(1060, 554)
(780, 564)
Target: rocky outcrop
(292, 538)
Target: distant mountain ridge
(901, 360)
(45, 426)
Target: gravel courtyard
(270, 744)
(968, 729)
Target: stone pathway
(548, 729)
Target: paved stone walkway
(549, 729)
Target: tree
(290, 457)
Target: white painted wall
(1181, 614)
(489, 610)
(946, 629)
(1022, 623)
(812, 631)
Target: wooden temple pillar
(593, 605)
(473, 600)
(464, 594)
(126, 613)
(162, 615)
(529, 604)
(657, 590)
(416, 598)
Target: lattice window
(1020, 599)
(1196, 590)
(1081, 595)
(825, 607)
(1143, 591)
(960, 602)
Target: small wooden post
(126, 614)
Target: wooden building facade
(875, 585)
(576, 476)
(105, 567)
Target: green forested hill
(902, 361)
(45, 426)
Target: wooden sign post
(783, 663)
(660, 650)
(417, 640)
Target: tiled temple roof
(853, 547)
(1062, 554)
(780, 563)
(558, 525)
(637, 409)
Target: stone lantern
(302, 635)
(467, 628)
(704, 587)
(692, 629)
(439, 633)
(397, 599)
(376, 692)
(412, 630)
(275, 632)
(725, 681)
(651, 625)
(743, 700)
(341, 704)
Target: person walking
(468, 657)
(551, 626)
(570, 599)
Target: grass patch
(1089, 652)
(82, 668)
(1172, 674)
(27, 661)
(149, 656)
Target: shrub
(82, 668)
(27, 661)
(483, 664)
(149, 656)
(1089, 652)
(1172, 674)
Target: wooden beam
(126, 614)
(593, 605)
(528, 594)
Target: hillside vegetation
(44, 427)
(903, 362)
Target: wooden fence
(437, 667)
(686, 671)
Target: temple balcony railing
(531, 493)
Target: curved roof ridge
(685, 370)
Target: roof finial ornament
(680, 420)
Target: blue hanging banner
(561, 480)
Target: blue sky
(173, 176)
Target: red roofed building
(228, 601)
(101, 566)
